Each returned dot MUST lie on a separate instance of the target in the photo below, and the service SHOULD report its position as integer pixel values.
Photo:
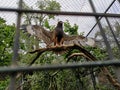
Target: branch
(83, 53)
(111, 79)
(60, 49)
(78, 54)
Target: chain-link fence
(98, 19)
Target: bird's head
(60, 23)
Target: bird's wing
(79, 40)
(47, 37)
(40, 33)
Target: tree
(6, 42)
(39, 19)
(110, 38)
(71, 30)
(61, 79)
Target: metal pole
(48, 67)
(61, 12)
(93, 78)
(15, 57)
(12, 82)
(109, 50)
(119, 1)
(113, 33)
(101, 17)
(16, 38)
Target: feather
(47, 37)
(58, 34)
(40, 33)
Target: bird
(58, 34)
(57, 37)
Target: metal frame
(100, 18)
(109, 50)
(10, 70)
(14, 69)
(61, 12)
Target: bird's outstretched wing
(40, 33)
(79, 40)
(47, 37)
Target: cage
(25, 67)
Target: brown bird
(58, 34)
(57, 37)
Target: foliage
(4, 84)
(99, 53)
(6, 42)
(71, 30)
(110, 38)
(52, 80)
(40, 19)
(59, 79)
(72, 79)
(48, 26)
(48, 5)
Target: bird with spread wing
(58, 37)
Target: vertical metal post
(101, 17)
(109, 50)
(93, 78)
(15, 57)
(12, 82)
(119, 1)
(113, 33)
(16, 38)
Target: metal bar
(61, 12)
(16, 38)
(15, 57)
(10, 70)
(12, 83)
(101, 17)
(93, 78)
(113, 33)
(119, 1)
(109, 50)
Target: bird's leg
(61, 42)
(54, 39)
(56, 43)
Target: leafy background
(72, 79)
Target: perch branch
(78, 54)
(66, 48)
(83, 53)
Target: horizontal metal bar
(59, 66)
(100, 18)
(61, 12)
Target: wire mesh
(85, 23)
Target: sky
(84, 23)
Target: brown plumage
(58, 34)
(57, 37)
